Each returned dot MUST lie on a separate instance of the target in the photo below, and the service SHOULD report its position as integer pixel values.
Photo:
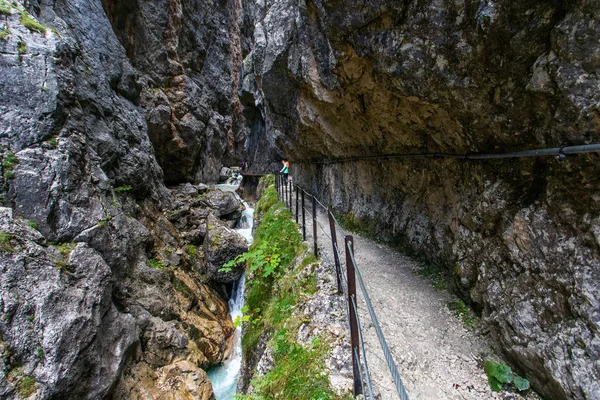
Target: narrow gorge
(119, 118)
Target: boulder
(190, 189)
(225, 174)
(225, 203)
(221, 245)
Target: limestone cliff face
(104, 288)
(345, 79)
(188, 55)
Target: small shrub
(435, 275)
(157, 264)
(123, 189)
(27, 386)
(464, 313)
(4, 32)
(64, 248)
(9, 162)
(5, 242)
(190, 250)
(501, 374)
(21, 48)
(32, 24)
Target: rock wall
(350, 79)
(188, 55)
(105, 289)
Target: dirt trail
(438, 358)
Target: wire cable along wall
(347, 275)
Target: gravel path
(438, 358)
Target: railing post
(296, 204)
(291, 193)
(285, 195)
(314, 212)
(354, 340)
(277, 184)
(303, 218)
(336, 256)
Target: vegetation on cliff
(279, 280)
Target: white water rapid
(224, 377)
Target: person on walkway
(285, 170)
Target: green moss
(40, 353)
(5, 242)
(4, 32)
(32, 24)
(33, 224)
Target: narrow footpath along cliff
(519, 238)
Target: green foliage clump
(190, 250)
(464, 313)
(5, 243)
(9, 162)
(32, 24)
(5, 8)
(299, 372)
(435, 274)
(123, 189)
(157, 264)
(500, 374)
(25, 384)
(64, 248)
(21, 48)
(4, 32)
(273, 291)
(40, 353)
(34, 225)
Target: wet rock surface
(518, 237)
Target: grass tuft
(4, 32)
(5, 243)
(32, 24)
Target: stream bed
(224, 377)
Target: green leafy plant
(123, 189)
(157, 264)
(501, 374)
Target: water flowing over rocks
(102, 295)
